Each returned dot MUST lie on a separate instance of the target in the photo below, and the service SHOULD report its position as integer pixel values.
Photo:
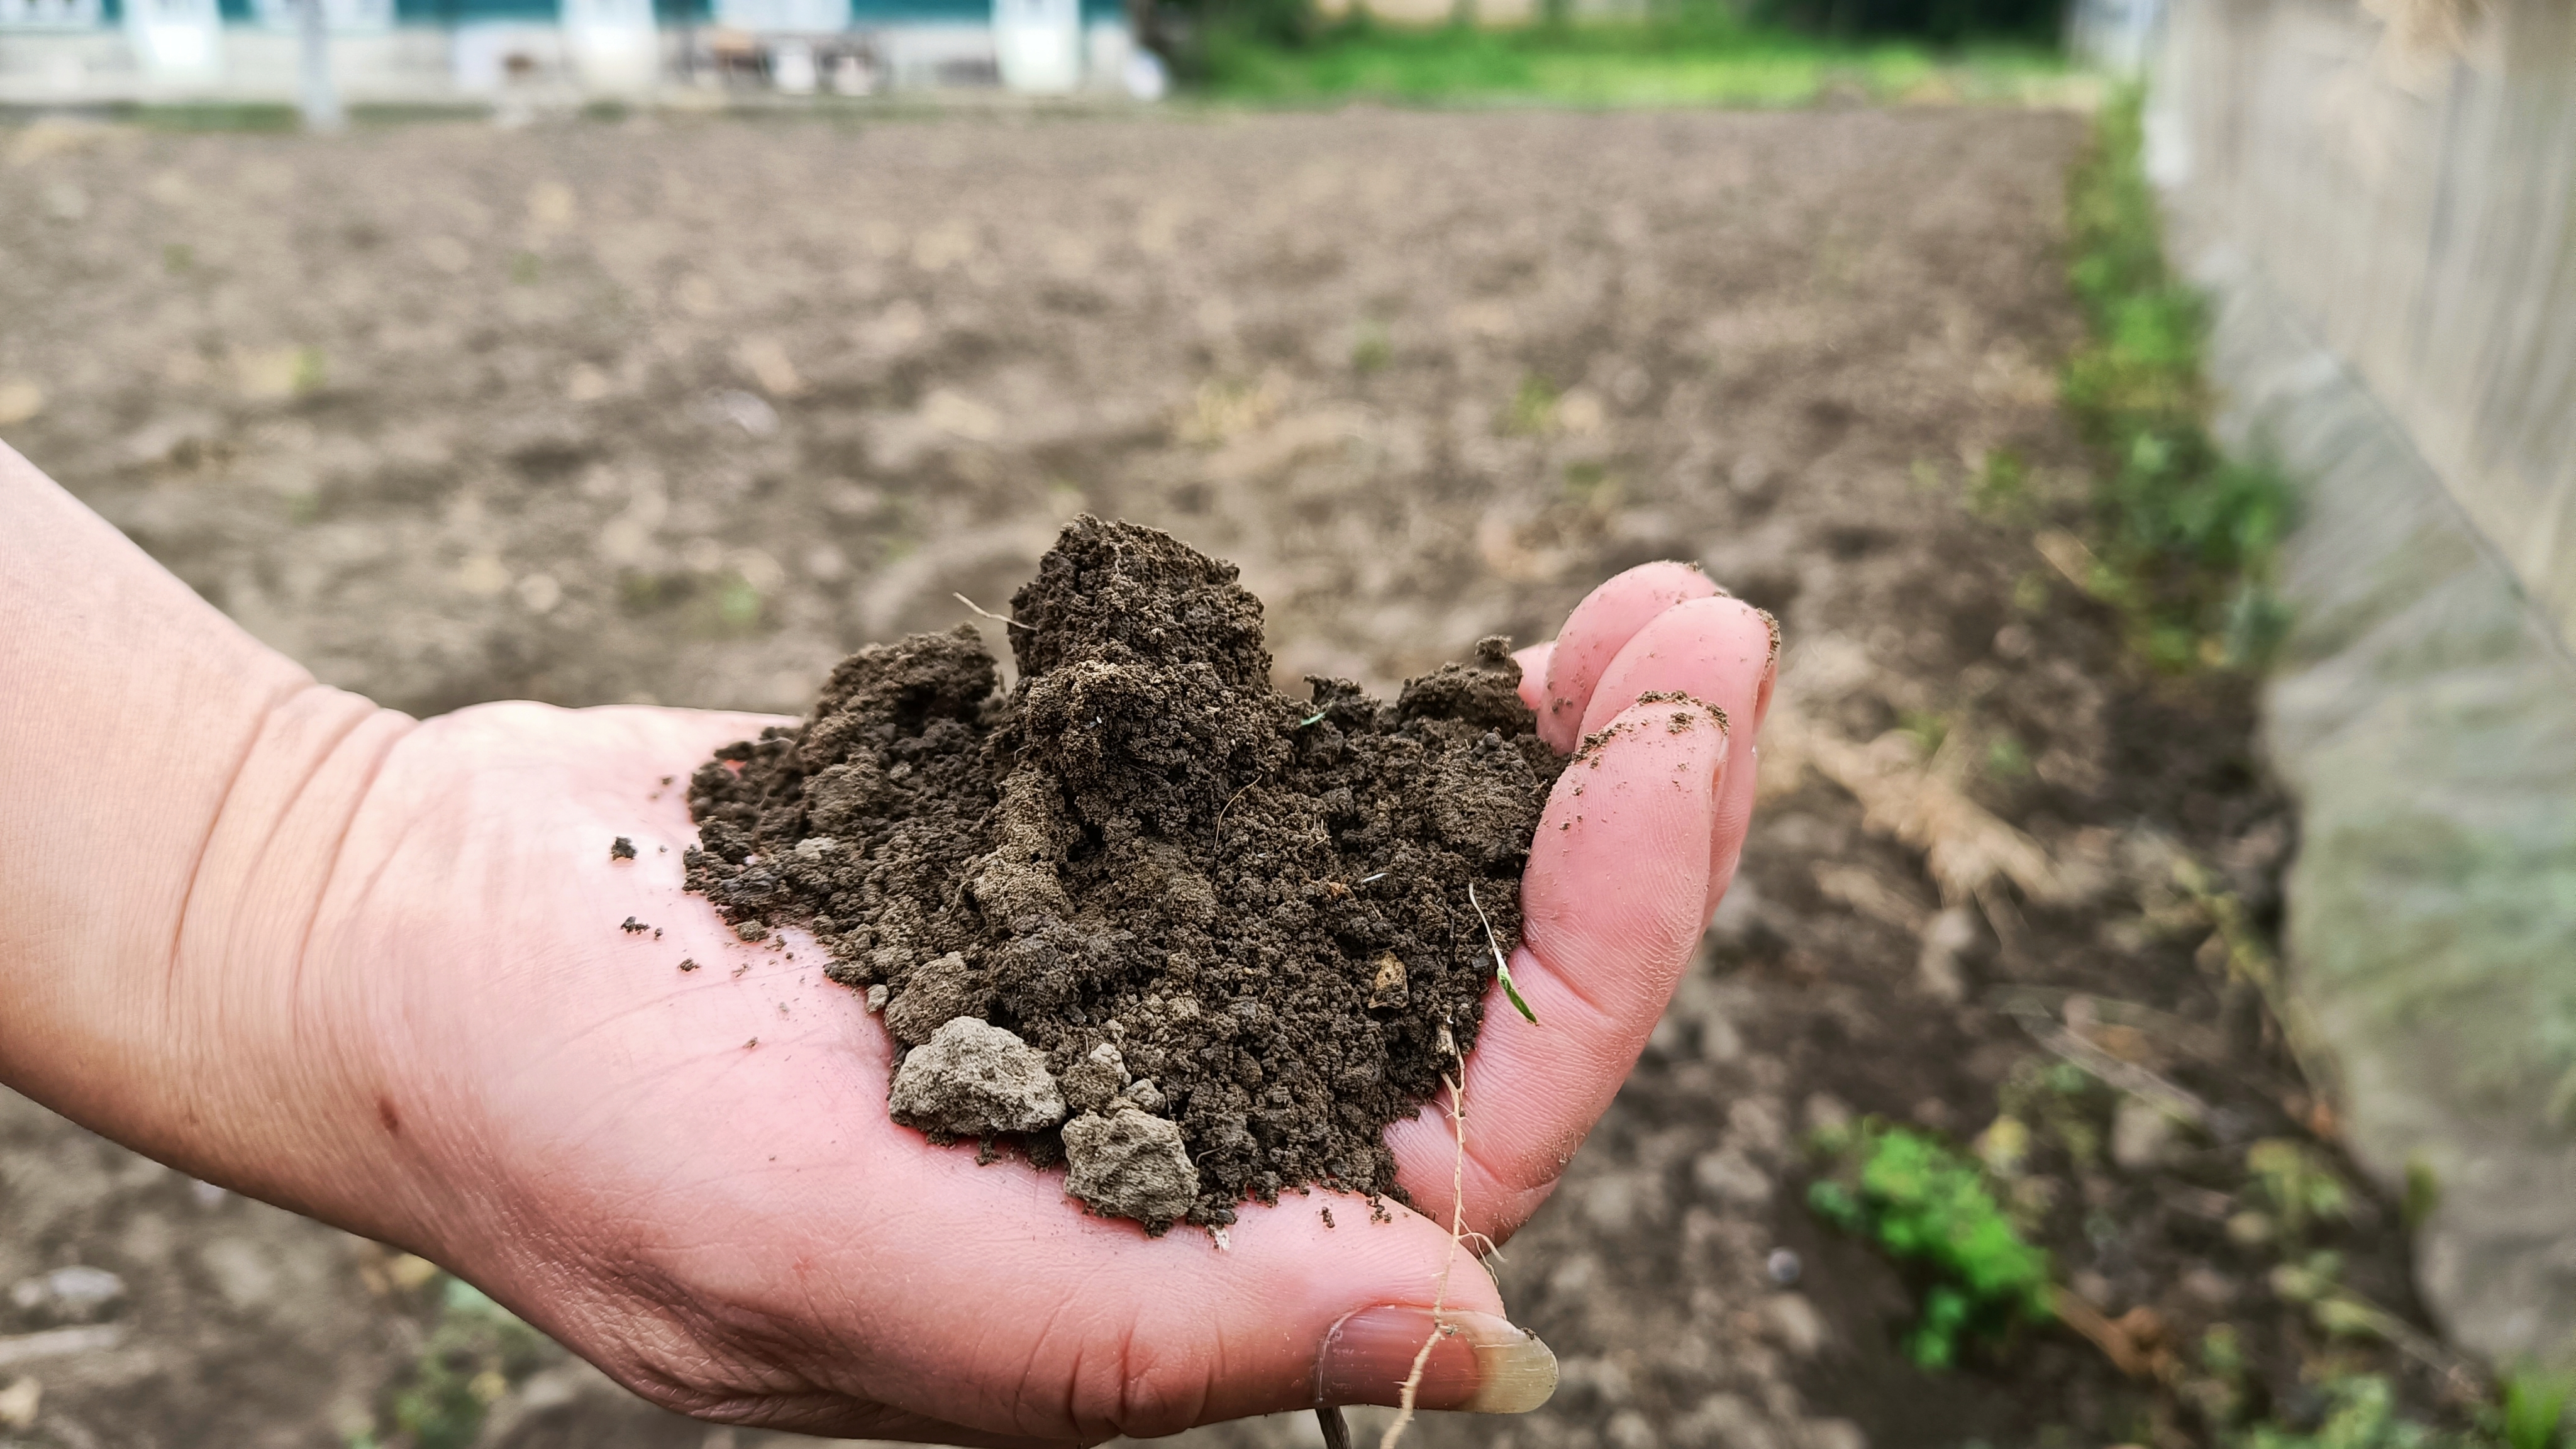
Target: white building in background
(2117, 35)
(91, 52)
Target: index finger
(1595, 632)
(1612, 903)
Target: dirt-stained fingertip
(1690, 715)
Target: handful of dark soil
(1142, 913)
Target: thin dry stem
(1457, 1234)
(1230, 799)
(1917, 800)
(989, 614)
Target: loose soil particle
(1202, 901)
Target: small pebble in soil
(1129, 1165)
(76, 1292)
(20, 1401)
(974, 1079)
(1784, 1267)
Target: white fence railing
(2118, 35)
(2409, 183)
(49, 14)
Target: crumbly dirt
(1271, 921)
(1426, 378)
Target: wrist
(171, 795)
(275, 1084)
(195, 1022)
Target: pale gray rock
(1093, 1084)
(938, 992)
(973, 1079)
(1947, 937)
(1129, 1165)
(2143, 1137)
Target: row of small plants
(1963, 1222)
(2185, 535)
(2181, 545)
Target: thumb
(1612, 902)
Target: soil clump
(1142, 911)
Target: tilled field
(682, 410)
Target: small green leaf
(2533, 1406)
(1502, 967)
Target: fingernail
(1478, 1362)
(1770, 671)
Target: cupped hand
(670, 1149)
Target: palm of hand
(689, 1176)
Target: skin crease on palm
(372, 969)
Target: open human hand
(399, 996)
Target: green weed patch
(2185, 536)
(1928, 1207)
(1669, 62)
(476, 1351)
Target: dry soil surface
(681, 410)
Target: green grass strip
(2185, 535)
(1606, 64)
